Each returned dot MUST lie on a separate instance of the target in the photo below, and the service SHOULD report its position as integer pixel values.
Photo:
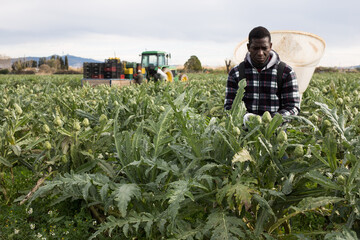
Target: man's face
(259, 49)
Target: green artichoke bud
(18, 109)
(76, 126)
(236, 131)
(266, 117)
(281, 137)
(356, 111)
(103, 118)
(58, 121)
(64, 159)
(47, 145)
(256, 119)
(86, 122)
(339, 101)
(299, 151)
(327, 123)
(341, 180)
(314, 118)
(6, 112)
(46, 128)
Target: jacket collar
(275, 59)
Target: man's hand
(247, 117)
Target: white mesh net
(301, 50)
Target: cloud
(210, 28)
(342, 57)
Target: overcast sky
(209, 29)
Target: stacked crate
(87, 70)
(112, 69)
(93, 70)
(129, 69)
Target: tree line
(55, 63)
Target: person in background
(271, 85)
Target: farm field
(165, 161)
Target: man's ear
(248, 46)
(271, 45)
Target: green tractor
(156, 64)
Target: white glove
(247, 118)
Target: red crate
(100, 76)
(110, 69)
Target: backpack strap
(280, 72)
(242, 70)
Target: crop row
(165, 160)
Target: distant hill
(78, 61)
(74, 61)
(356, 67)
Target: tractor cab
(153, 59)
(156, 64)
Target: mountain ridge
(74, 61)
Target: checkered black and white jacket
(261, 91)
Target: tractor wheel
(170, 76)
(183, 78)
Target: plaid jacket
(261, 91)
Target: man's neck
(261, 65)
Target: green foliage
(193, 64)
(345, 234)
(66, 63)
(165, 160)
(41, 220)
(224, 226)
(4, 71)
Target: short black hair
(258, 33)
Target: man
(265, 90)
